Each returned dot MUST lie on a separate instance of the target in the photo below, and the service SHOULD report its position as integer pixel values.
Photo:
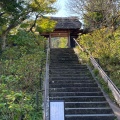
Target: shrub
(19, 79)
(104, 45)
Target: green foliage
(105, 87)
(21, 59)
(15, 10)
(13, 13)
(13, 102)
(99, 13)
(105, 45)
(42, 5)
(45, 25)
(63, 42)
(19, 79)
(59, 42)
(95, 18)
(96, 72)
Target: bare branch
(34, 24)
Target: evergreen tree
(14, 12)
(96, 13)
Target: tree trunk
(3, 40)
(3, 45)
(4, 34)
(3, 37)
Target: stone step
(86, 104)
(68, 64)
(68, 69)
(71, 81)
(53, 85)
(70, 75)
(55, 56)
(67, 51)
(72, 78)
(64, 58)
(60, 94)
(90, 117)
(69, 72)
(64, 62)
(88, 111)
(76, 65)
(54, 53)
(79, 98)
(61, 50)
(62, 55)
(74, 89)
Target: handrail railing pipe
(40, 84)
(41, 72)
(115, 91)
(46, 86)
(41, 90)
(43, 85)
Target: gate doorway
(59, 42)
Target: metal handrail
(115, 91)
(42, 88)
(40, 83)
(46, 86)
(41, 72)
(98, 66)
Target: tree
(96, 13)
(44, 25)
(14, 12)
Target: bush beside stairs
(72, 82)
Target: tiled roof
(67, 22)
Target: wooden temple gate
(65, 30)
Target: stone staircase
(72, 82)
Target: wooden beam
(59, 34)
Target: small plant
(96, 72)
